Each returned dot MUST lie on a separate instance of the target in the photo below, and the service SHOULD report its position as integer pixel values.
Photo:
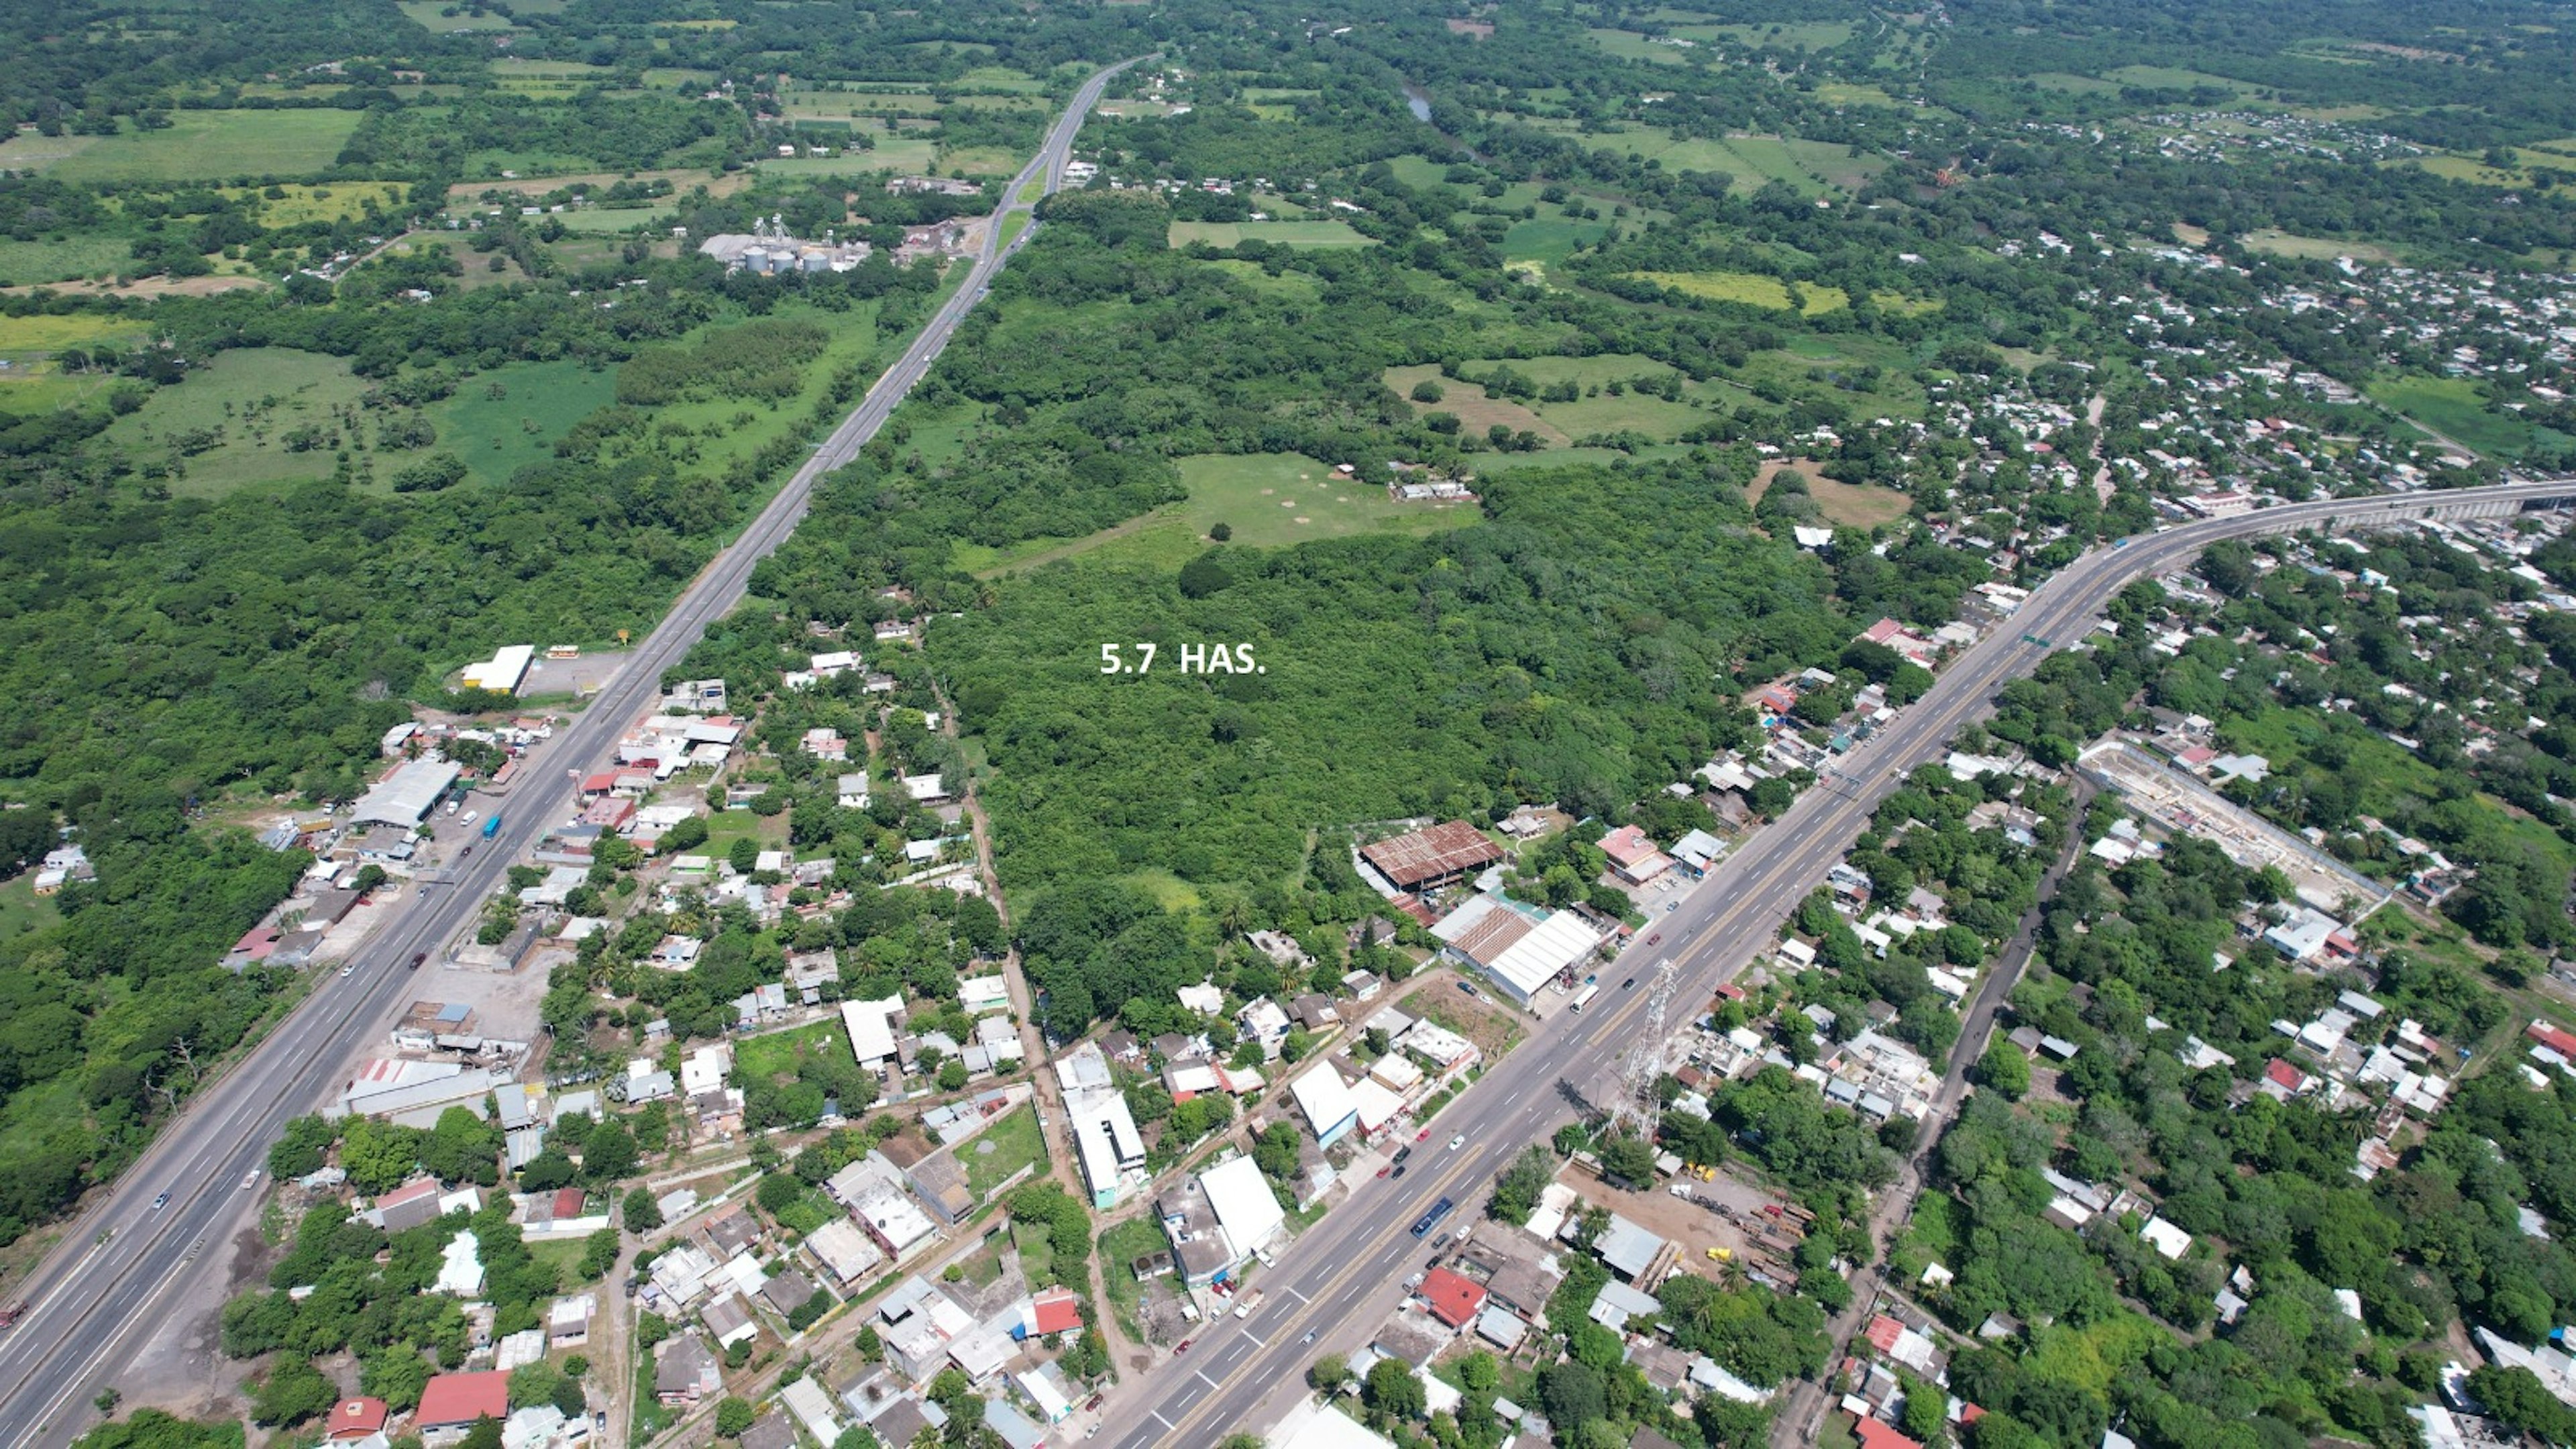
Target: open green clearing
(66, 258)
(1773, 35)
(1269, 500)
(2285, 244)
(1119, 1247)
(780, 1055)
(2453, 407)
(1549, 240)
(536, 403)
(432, 16)
(1016, 1142)
(1751, 289)
(208, 145)
(907, 154)
(25, 338)
(22, 910)
(1629, 45)
(1807, 167)
(1476, 409)
(227, 426)
(1278, 233)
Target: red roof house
(2557, 1039)
(1877, 1434)
(356, 1418)
(1056, 1311)
(1453, 1300)
(455, 1401)
(1634, 856)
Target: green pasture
(246, 401)
(1280, 233)
(1269, 500)
(196, 146)
(536, 403)
(2453, 407)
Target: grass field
(1844, 93)
(1853, 505)
(977, 160)
(1269, 500)
(1549, 240)
(776, 1056)
(427, 15)
(2286, 244)
(907, 154)
(1775, 35)
(203, 146)
(1807, 167)
(539, 402)
(26, 338)
(1169, 890)
(1120, 1246)
(1629, 45)
(251, 398)
(22, 910)
(339, 201)
(1752, 289)
(2168, 77)
(1278, 233)
(63, 259)
(2453, 407)
(1476, 409)
(1016, 1142)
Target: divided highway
(1328, 1290)
(128, 1269)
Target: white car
(250, 1179)
(1458, 1141)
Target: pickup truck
(1251, 1301)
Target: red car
(1383, 1171)
(1422, 1136)
(1182, 1347)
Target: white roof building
(1327, 1102)
(503, 672)
(1244, 1205)
(871, 1028)
(403, 797)
(1105, 1138)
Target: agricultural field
(1278, 233)
(200, 146)
(504, 420)
(228, 425)
(2454, 407)
(1549, 240)
(979, 160)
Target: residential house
(685, 1370)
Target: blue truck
(492, 826)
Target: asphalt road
(1339, 1280)
(127, 1269)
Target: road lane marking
(1203, 1378)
